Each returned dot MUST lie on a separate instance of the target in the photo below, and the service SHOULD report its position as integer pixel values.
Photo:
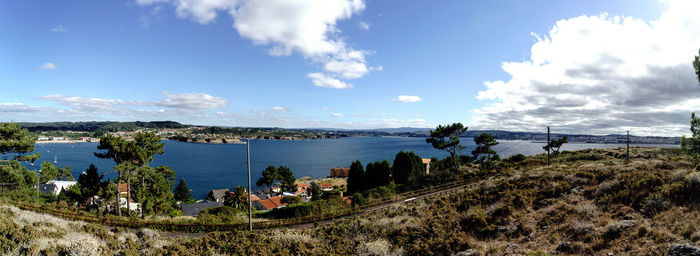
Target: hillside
(587, 202)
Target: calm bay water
(214, 166)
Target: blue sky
(401, 63)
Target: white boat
(55, 160)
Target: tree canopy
(155, 189)
(238, 198)
(139, 151)
(282, 175)
(90, 182)
(555, 145)
(691, 145)
(356, 177)
(378, 174)
(14, 139)
(287, 179)
(182, 192)
(52, 172)
(407, 168)
(132, 158)
(483, 152)
(269, 176)
(447, 138)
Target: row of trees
(407, 169)
(153, 189)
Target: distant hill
(94, 126)
(100, 127)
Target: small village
(263, 200)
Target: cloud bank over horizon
(602, 75)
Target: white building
(56, 186)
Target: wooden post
(547, 145)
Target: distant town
(73, 132)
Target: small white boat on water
(55, 160)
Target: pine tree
(90, 182)
(483, 152)
(356, 177)
(182, 192)
(447, 138)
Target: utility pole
(250, 204)
(547, 145)
(628, 146)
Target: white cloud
(326, 109)
(279, 109)
(145, 2)
(192, 101)
(48, 66)
(364, 25)
(305, 27)
(322, 80)
(185, 102)
(155, 14)
(602, 74)
(337, 115)
(58, 29)
(407, 99)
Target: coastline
(62, 141)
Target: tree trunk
(119, 196)
(128, 196)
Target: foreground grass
(587, 202)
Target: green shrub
(220, 215)
(515, 158)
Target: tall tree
(238, 198)
(691, 145)
(108, 193)
(555, 145)
(356, 177)
(90, 182)
(269, 175)
(407, 168)
(447, 138)
(315, 192)
(483, 151)
(130, 155)
(287, 179)
(378, 174)
(182, 192)
(155, 192)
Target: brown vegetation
(587, 202)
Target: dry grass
(587, 203)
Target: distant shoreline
(61, 141)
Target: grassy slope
(587, 202)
